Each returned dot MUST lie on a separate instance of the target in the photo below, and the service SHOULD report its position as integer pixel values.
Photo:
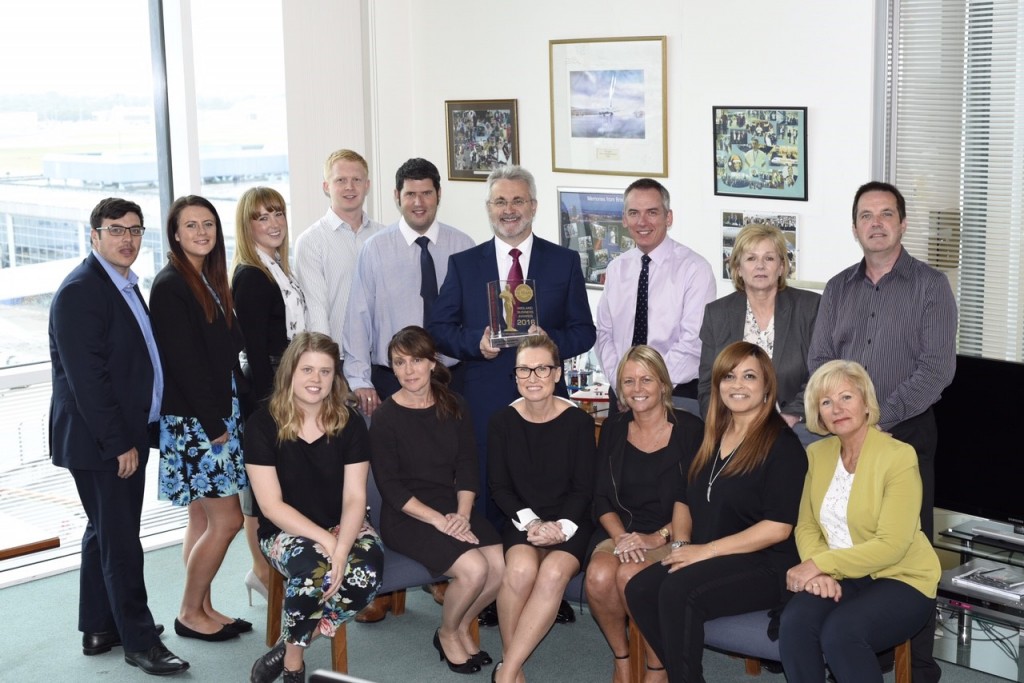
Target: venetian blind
(955, 147)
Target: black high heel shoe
(467, 667)
(481, 658)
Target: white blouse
(833, 509)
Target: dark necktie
(515, 273)
(640, 319)
(428, 278)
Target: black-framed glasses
(542, 371)
(119, 230)
(503, 204)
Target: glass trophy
(513, 311)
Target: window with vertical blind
(954, 145)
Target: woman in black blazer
(641, 460)
(200, 427)
(762, 311)
(271, 310)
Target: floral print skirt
(191, 467)
(307, 571)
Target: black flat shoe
(224, 633)
(467, 667)
(268, 667)
(239, 626)
(494, 672)
(98, 643)
(565, 614)
(157, 661)
(481, 659)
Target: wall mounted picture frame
(761, 152)
(734, 221)
(609, 106)
(482, 135)
(590, 223)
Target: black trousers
(920, 432)
(671, 609)
(112, 595)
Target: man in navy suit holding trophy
(107, 386)
(461, 321)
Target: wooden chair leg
(275, 602)
(752, 666)
(474, 632)
(398, 602)
(339, 650)
(637, 653)
(902, 667)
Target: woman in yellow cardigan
(869, 575)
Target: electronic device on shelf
(1003, 532)
(1006, 582)
(978, 463)
(961, 597)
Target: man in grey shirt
(897, 317)
(396, 280)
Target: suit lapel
(120, 305)
(783, 316)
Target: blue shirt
(128, 285)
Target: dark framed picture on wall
(761, 152)
(482, 135)
(590, 223)
(609, 106)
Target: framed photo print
(608, 106)
(734, 221)
(590, 223)
(482, 135)
(761, 152)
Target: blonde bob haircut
(747, 239)
(827, 379)
(653, 363)
(334, 409)
(250, 204)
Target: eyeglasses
(119, 230)
(542, 371)
(503, 204)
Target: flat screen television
(979, 462)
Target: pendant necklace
(725, 463)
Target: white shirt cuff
(523, 518)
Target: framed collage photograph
(609, 106)
(761, 152)
(482, 135)
(590, 223)
(734, 221)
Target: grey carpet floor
(39, 640)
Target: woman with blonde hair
(540, 452)
(764, 311)
(271, 310)
(869, 574)
(732, 523)
(308, 456)
(642, 458)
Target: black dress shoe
(565, 614)
(225, 633)
(98, 643)
(488, 616)
(268, 667)
(157, 661)
(481, 659)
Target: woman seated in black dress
(307, 456)
(541, 470)
(425, 465)
(732, 525)
(641, 462)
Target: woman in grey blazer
(765, 312)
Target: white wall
(800, 53)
